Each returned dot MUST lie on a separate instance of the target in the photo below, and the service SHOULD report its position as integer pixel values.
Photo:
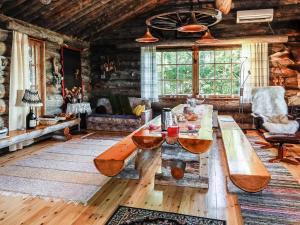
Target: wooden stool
(281, 140)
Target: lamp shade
(147, 38)
(31, 98)
(206, 38)
(193, 26)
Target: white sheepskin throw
(269, 101)
(280, 128)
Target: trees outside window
(216, 73)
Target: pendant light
(147, 38)
(193, 27)
(206, 38)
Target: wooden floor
(214, 203)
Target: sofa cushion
(125, 105)
(106, 103)
(101, 109)
(115, 104)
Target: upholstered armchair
(270, 110)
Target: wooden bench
(111, 162)
(18, 136)
(124, 160)
(246, 170)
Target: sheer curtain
(19, 81)
(255, 70)
(149, 79)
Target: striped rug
(64, 171)
(279, 203)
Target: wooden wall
(285, 66)
(5, 53)
(125, 80)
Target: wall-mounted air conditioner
(254, 16)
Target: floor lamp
(242, 85)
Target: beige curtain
(255, 70)
(19, 81)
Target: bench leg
(67, 133)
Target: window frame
(196, 72)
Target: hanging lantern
(147, 38)
(206, 38)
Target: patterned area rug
(135, 216)
(64, 171)
(279, 203)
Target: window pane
(236, 71)
(235, 87)
(185, 87)
(169, 72)
(223, 87)
(169, 57)
(236, 55)
(158, 57)
(207, 71)
(206, 56)
(185, 72)
(170, 87)
(222, 56)
(185, 57)
(223, 71)
(206, 87)
(159, 72)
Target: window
(204, 71)
(219, 72)
(36, 70)
(175, 73)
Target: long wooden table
(185, 162)
(195, 143)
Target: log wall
(125, 80)
(53, 43)
(285, 66)
(5, 53)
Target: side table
(78, 109)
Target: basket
(47, 121)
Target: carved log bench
(246, 170)
(124, 160)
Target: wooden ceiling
(93, 20)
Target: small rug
(279, 203)
(135, 216)
(64, 171)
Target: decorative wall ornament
(57, 77)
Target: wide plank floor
(214, 203)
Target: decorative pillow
(138, 110)
(106, 103)
(125, 105)
(114, 101)
(101, 109)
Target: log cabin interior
(150, 112)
